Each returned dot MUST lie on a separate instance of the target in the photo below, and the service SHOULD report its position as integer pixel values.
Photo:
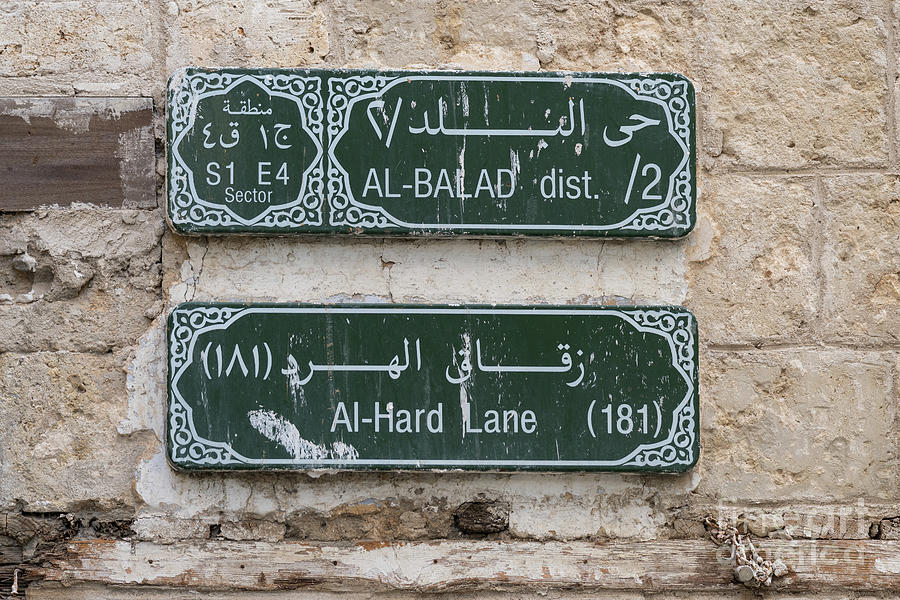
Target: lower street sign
(281, 386)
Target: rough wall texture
(793, 272)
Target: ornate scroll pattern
(186, 447)
(186, 208)
(675, 327)
(344, 210)
(186, 444)
(676, 212)
(678, 328)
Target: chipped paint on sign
(419, 152)
(431, 387)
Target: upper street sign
(288, 386)
(419, 152)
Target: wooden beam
(467, 565)
(59, 151)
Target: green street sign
(285, 386)
(431, 153)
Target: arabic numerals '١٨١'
(272, 386)
(288, 150)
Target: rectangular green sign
(269, 386)
(426, 152)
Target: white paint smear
(463, 396)
(278, 429)
(342, 451)
(888, 565)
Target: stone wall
(793, 273)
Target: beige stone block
(165, 529)
(426, 270)
(796, 424)
(756, 281)
(536, 271)
(475, 34)
(386, 33)
(861, 259)
(511, 24)
(79, 279)
(794, 84)
(518, 34)
(58, 433)
(97, 321)
(285, 269)
(255, 33)
(114, 235)
(640, 36)
(252, 530)
(82, 41)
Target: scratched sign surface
(389, 152)
(432, 387)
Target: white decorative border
(674, 212)
(186, 446)
(186, 207)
